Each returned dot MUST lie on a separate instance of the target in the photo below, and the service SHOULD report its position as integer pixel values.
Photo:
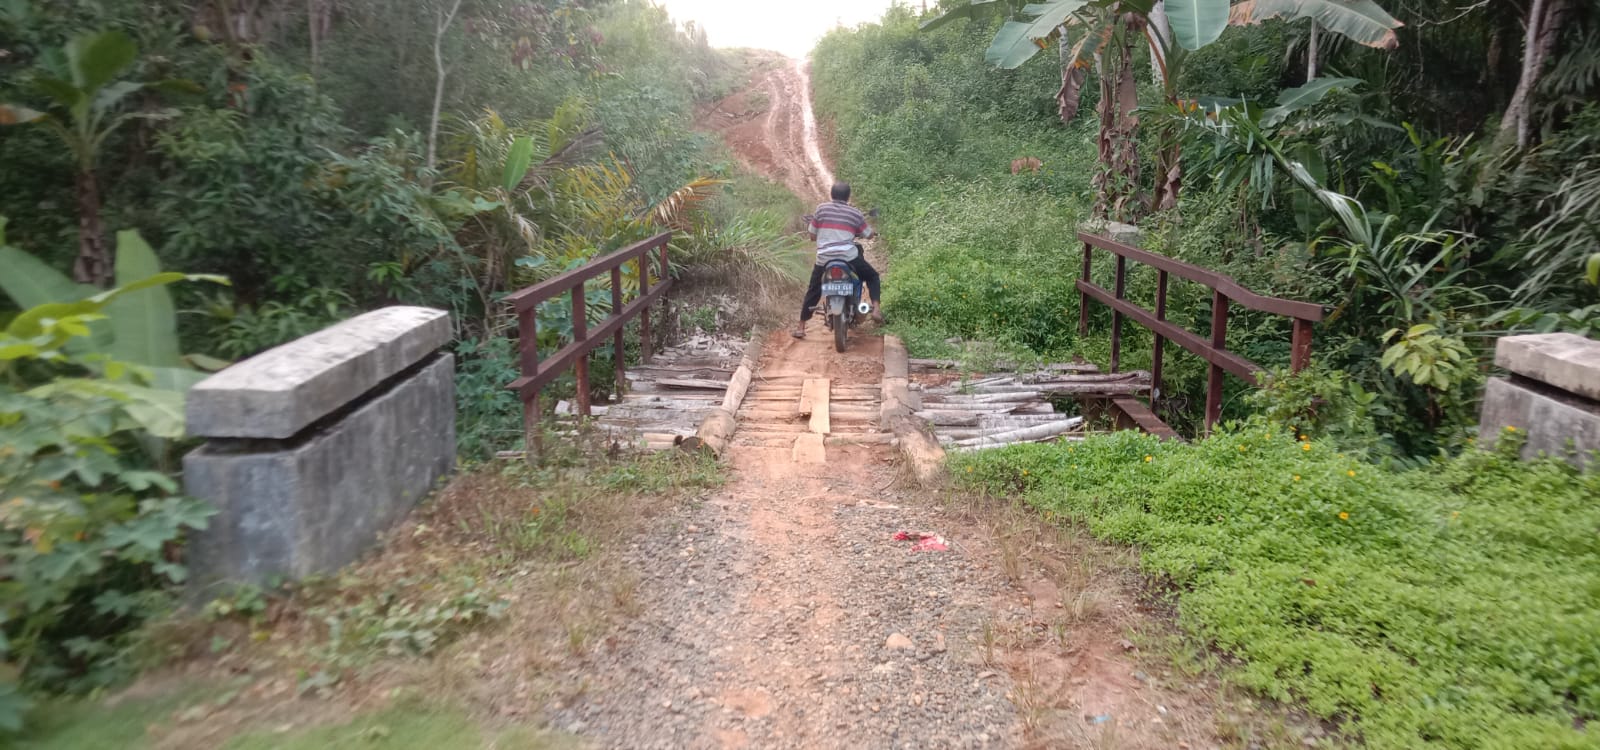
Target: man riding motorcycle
(835, 226)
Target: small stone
(1140, 676)
(1126, 645)
(898, 642)
(1161, 710)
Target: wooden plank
(814, 390)
(696, 384)
(820, 408)
(810, 449)
(1144, 417)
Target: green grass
(402, 727)
(74, 724)
(1452, 606)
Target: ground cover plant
(1454, 605)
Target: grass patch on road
(1453, 606)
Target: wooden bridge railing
(537, 373)
(1224, 290)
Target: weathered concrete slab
(1565, 360)
(1554, 423)
(318, 503)
(280, 392)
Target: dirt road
(771, 129)
(782, 612)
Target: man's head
(841, 192)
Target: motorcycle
(841, 297)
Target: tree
(86, 108)
(443, 20)
(1543, 28)
(1171, 28)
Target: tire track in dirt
(771, 130)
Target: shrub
(87, 529)
(1452, 606)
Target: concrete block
(1553, 422)
(280, 392)
(1565, 360)
(315, 504)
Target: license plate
(838, 288)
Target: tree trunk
(445, 19)
(94, 262)
(1543, 29)
(312, 30)
(1311, 52)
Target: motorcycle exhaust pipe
(864, 308)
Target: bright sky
(788, 26)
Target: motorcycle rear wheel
(840, 332)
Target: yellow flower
(1024, 472)
(1241, 449)
(1148, 459)
(1305, 446)
(1509, 428)
(1343, 516)
(1351, 472)
(1455, 514)
(969, 469)
(1303, 437)
(1297, 477)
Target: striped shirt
(836, 226)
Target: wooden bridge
(677, 394)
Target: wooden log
(989, 446)
(951, 364)
(1060, 387)
(1036, 408)
(986, 398)
(718, 426)
(922, 452)
(714, 433)
(1020, 420)
(1031, 434)
(738, 387)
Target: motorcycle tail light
(836, 273)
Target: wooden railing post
(644, 315)
(666, 273)
(1119, 288)
(1156, 356)
(618, 343)
(1083, 299)
(1219, 341)
(580, 333)
(528, 362)
(1300, 346)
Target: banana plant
(139, 324)
(86, 106)
(1171, 28)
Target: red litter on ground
(924, 542)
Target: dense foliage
(326, 158)
(1331, 548)
(1363, 190)
(1453, 605)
